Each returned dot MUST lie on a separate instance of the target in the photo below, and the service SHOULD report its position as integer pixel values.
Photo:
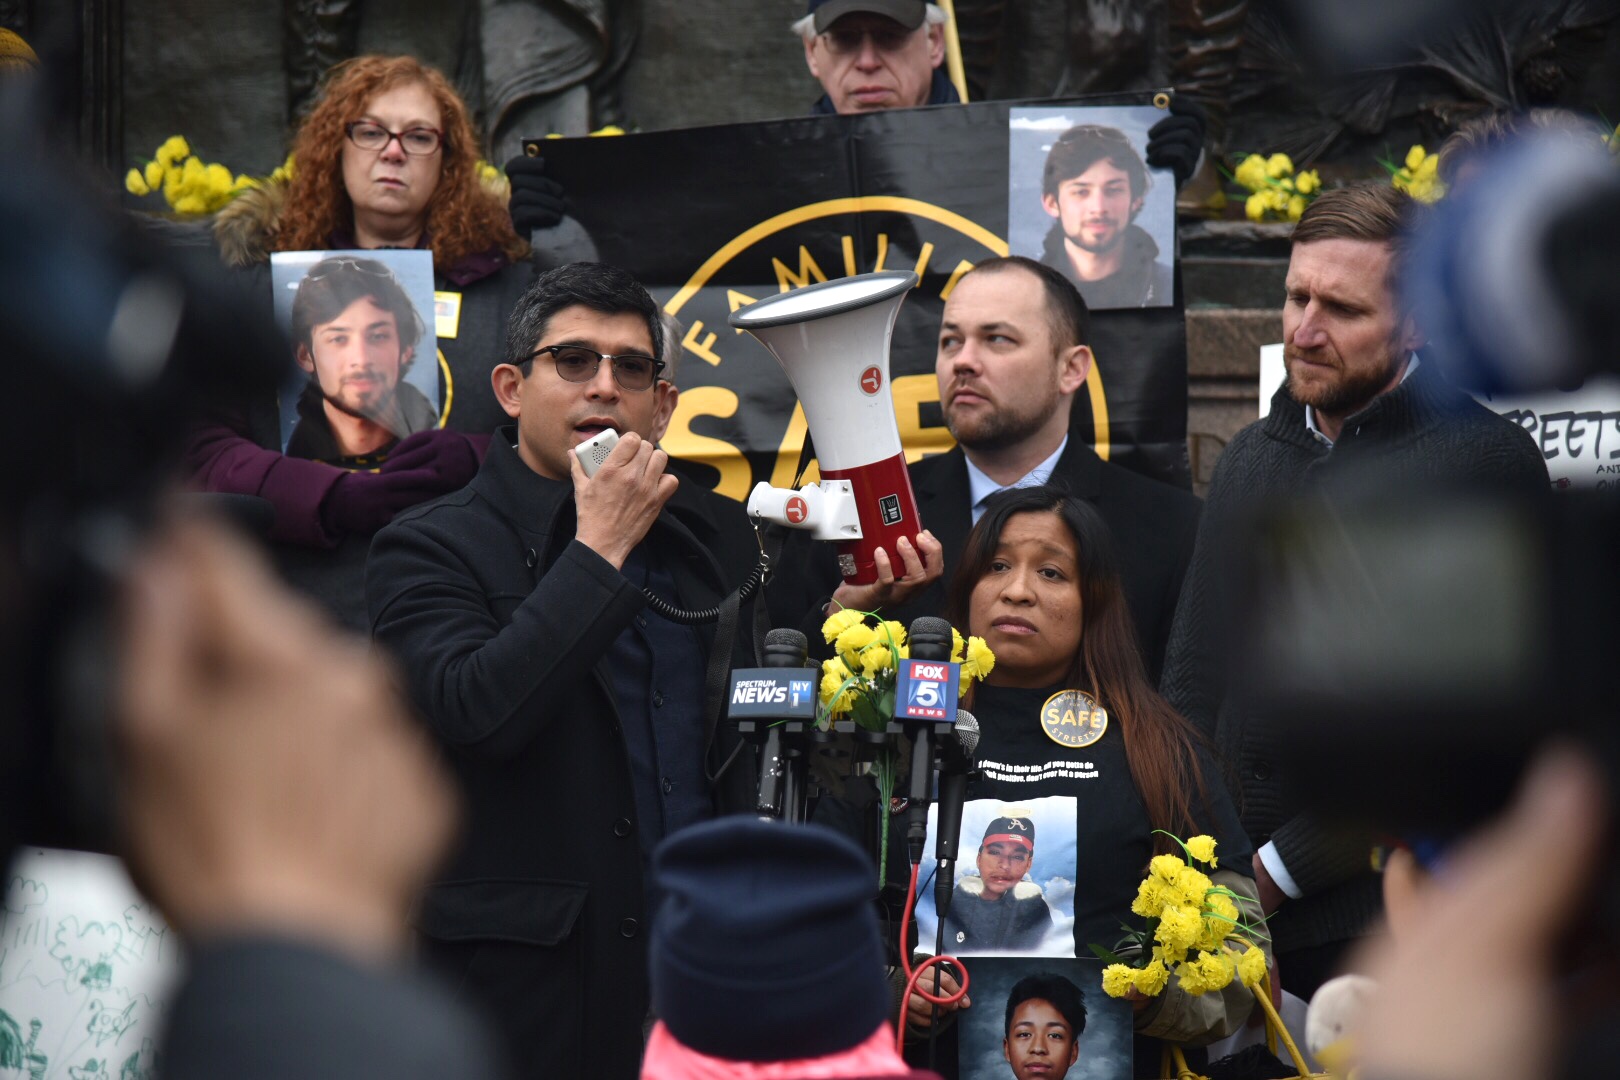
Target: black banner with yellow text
(713, 218)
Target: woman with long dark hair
(1075, 738)
(387, 158)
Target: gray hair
(674, 336)
(934, 15)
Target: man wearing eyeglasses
(577, 719)
(870, 55)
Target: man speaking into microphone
(581, 724)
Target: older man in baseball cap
(876, 54)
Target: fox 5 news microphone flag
(711, 219)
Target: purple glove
(421, 467)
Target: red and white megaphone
(832, 339)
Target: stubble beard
(996, 430)
(1117, 237)
(1351, 393)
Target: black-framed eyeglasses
(418, 141)
(575, 363)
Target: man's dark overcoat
(501, 620)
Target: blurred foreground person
(282, 813)
(387, 158)
(1493, 1001)
(162, 696)
(1359, 404)
(766, 962)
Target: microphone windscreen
(967, 732)
(790, 638)
(930, 638)
(930, 626)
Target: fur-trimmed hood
(243, 228)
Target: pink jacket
(874, 1059)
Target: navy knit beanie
(766, 946)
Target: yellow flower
(1254, 207)
(1277, 199)
(611, 129)
(1151, 897)
(1279, 166)
(1191, 886)
(957, 645)
(135, 183)
(1116, 980)
(154, 174)
(834, 675)
(174, 149)
(1179, 929)
(892, 633)
(838, 622)
(219, 177)
(1251, 173)
(1296, 207)
(1307, 182)
(1251, 966)
(980, 661)
(190, 204)
(852, 641)
(1414, 158)
(876, 658)
(1208, 972)
(1221, 905)
(1151, 980)
(1165, 868)
(1220, 921)
(284, 171)
(1202, 848)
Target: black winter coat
(501, 621)
(1423, 432)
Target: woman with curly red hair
(386, 158)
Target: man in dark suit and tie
(1012, 355)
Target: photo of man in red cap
(996, 910)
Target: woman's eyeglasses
(575, 363)
(419, 141)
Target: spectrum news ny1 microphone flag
(710, 219)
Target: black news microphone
(783, 649)
(955, 770)
(930, 639)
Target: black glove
(537, 200)
(421, 467)
(1177, 141)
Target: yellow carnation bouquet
(1192, 927)
(189, 185)
(858, 685)
(1276, 192)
